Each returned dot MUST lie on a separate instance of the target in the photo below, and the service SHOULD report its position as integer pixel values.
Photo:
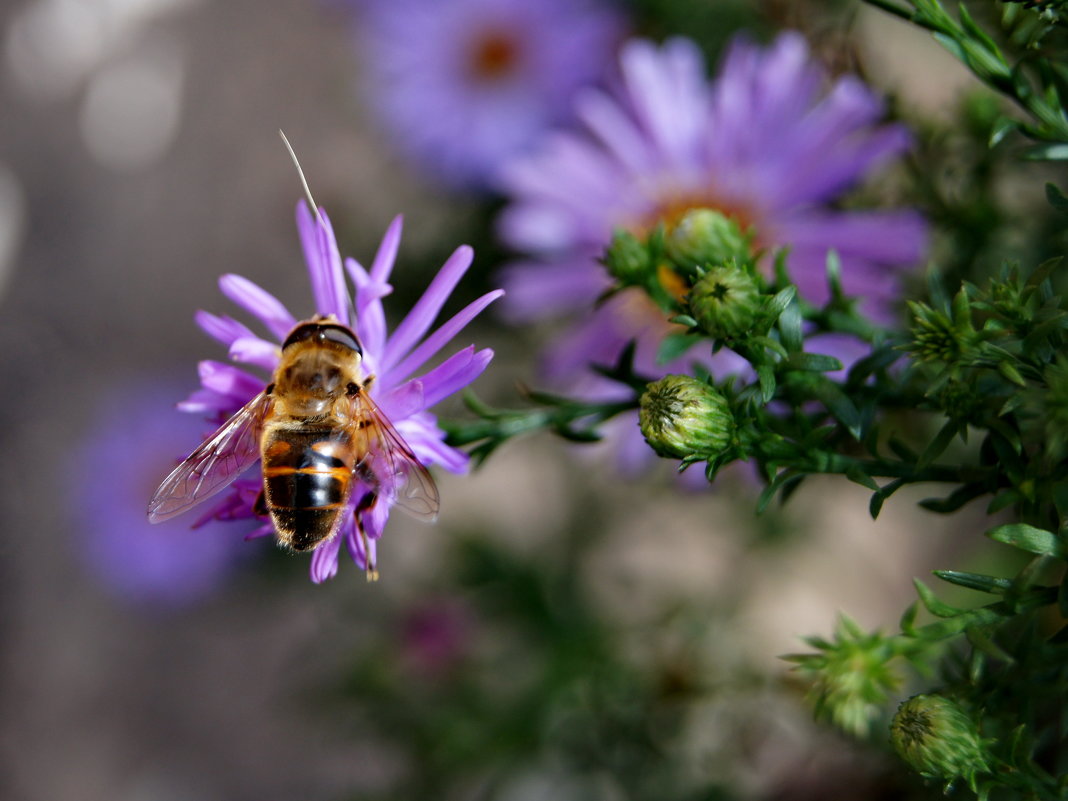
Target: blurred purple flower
(435, 637)
(113, 470)
(768, 143)
(391, 358)
(465, 85)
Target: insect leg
(366, 503)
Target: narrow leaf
(982, 642)
(766, 376)
(933, 604)
(976, 581)
(783, 298)
(674, 346)
(1056, 198)
(955, 500)
(1052, 152)
(939, 443)
(813, 362)
(790, 328)
(855, 474)
(839, 405)
(1030, 539)
(884, 492)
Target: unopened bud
(726, 301)
(628, 258)
(938, 739)
(706, 238)
(681, 416)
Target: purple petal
(886, 237)
(324, 263)
(616, 129)
(324, 560)
(258, 302)
(221, 327)
(425, 442)
(266, 530)
(667, 88)
(207, 402)
(442, 336)
(453, 374)
(253, 350)
(354, 545)
(426, 309)
(404, 401)
(536, 290)
(229, 381)
(370, 317)
(386, 255)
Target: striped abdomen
(307, 478)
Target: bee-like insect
(318, 432)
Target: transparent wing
(391, 461)
(212, 467)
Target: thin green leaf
(766, 377)
(834, 276)
(939, 443)
(813, 362)
(1003, 500)
(674, 346)
(933, 604)
(976, 581)
(982, 642)
(857, 475)
(1030, 539)
(955, 500)
(790, 328)
(1056, 198)
(908, 619)
(879, 497)
(839, 405)
(1010, 373)
(971, 27)
(1002, 128)
(1052, 152)
(778, 303)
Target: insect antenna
(314, 208)
(303, 180)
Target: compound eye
(301, 333)
(342, 336)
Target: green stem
(498, 426)
(907, 14)
(828, 462)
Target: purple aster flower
(465, 85)
(768, 143)
(166, 565)
(399, 390)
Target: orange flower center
(671, 209)
(668, 213)
(492, 56)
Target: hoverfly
(318, 434)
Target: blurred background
(562, 632)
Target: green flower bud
(628, 258)
(938, 739)
(940, 337)
(726, 301)
(703, 238)
(681, 416)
